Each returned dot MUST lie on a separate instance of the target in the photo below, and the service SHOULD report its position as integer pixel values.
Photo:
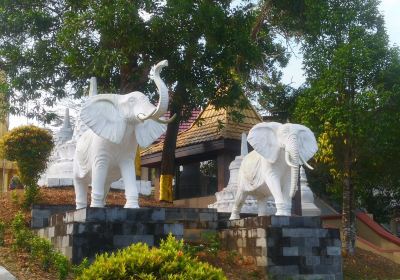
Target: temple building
(203, 154)
(8, 168)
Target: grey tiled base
(288, 247)
(89, 231)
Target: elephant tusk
(288, 161)
(166, 121)
(143, 117)
(306, 164)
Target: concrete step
(5, 274)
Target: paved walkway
(5, 275)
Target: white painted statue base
(144, 187)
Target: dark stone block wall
(89, 231)
(288, 247)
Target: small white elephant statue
(118, 124)
(272, 168)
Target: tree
(46, 45)
(346, 57)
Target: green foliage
(209, 45)
(14, 197)
(39, 248)
(31, 195)
(138, 261)
(351, 101)
(212, 242)
(21, 234)
(78, 269)
(2, 232)
(30, 147)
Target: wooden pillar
(156, 182)
(223, 160)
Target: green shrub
(22, 235)
(14, 197)
(212, 242)
(30, 147)
(31, 195)
(39, 248)
(2, 232)
(138, 261)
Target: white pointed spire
(93, 87)
(243, 149)
(66, 122)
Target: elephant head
(108, 115)
(295, 142)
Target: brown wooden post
(223, 161)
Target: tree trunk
(348, 216)
(168, 154)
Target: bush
(39, 248)
(30, 147)
(138, 261)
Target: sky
(293, 73)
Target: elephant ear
(262, 137)
(306, 141)
(148, 131)
(101, 114)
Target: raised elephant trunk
(162, 106)
(293, 152)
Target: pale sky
(293, 73)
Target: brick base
(288, 247)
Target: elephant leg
(99, 176)
(262, 205)
(240, 198)
(107, 187)
(283, 206)
(81, 189)
(131, 190)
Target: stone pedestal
(90, 231)
(288, 247)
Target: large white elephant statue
(118, 124)
(272, 168)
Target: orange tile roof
(212, 124)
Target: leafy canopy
(49, 46)
(352, 93)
